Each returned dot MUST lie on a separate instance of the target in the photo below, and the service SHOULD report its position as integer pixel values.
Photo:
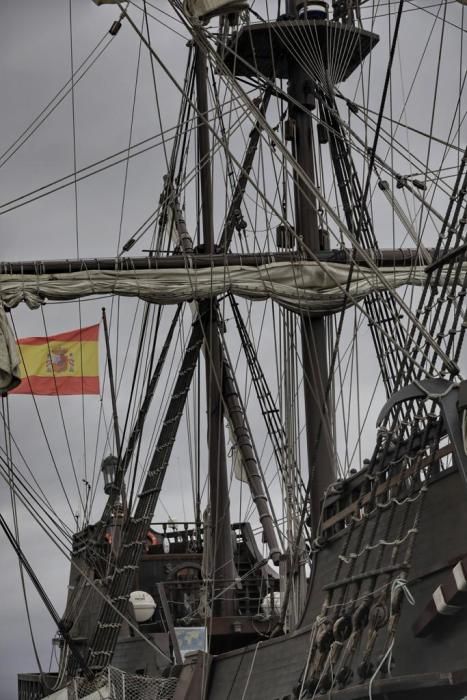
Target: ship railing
(174, 529)
(399, 479)
(125, 686)
(33, 686)
(189, 599)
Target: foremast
(221, 393)
(222, 563)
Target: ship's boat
(256, 488)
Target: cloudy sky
(36, 63)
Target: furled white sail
(238, 466)
(317, 288)
(199, 9)
(9, 356)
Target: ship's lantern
(108, 469)
(318, 9)
(143, 605)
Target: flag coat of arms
(65, 364)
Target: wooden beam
(447, 600)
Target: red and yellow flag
(66, 364)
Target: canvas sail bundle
(308, 286)
(9, 356)
(199, 9)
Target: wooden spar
(223, 568)
(113, 396)
(112, 384)
(169, 621)
(389, 257)
(186, 242)
(244, 441)
(204, 153)
(125, 459)
(321, 460)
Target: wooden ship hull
(427, 659)
(428, 654)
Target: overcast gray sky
(35, 64)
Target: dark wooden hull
(432, 666)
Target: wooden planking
(277, 665)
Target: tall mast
(222, 564)
(321, 460)
(282, 48)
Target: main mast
(316, 380)
(288, 49)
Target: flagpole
(113, 395)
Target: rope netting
(114, 684)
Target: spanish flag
(65, 364)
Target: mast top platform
(271, 48)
